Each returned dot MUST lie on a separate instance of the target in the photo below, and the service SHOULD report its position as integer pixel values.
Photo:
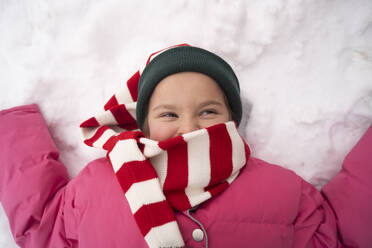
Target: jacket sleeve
(315, 225)
(340, 215)
(350, 195)
(32, 179)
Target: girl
(186, 180)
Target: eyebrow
(202, 105)
(166, 106)
(211, 102)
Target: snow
(304, 67)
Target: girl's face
(185, 102)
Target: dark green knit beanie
(182, 59)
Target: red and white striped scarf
(159, 176)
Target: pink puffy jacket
(267, 206)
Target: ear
(145, 127)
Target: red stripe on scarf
(134, 172)
(110, 143)
(123, 117)
(220, 155)
(111, 103)
(153, 215)
(215, 190)
(178, 200)
(172, 142)
(91, 122)
(96, 136)
(247, 150)
(132, 85)
(130, 135)
(177, 172)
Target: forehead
(187, 84)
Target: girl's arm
(350, 195)
(341, 215)
(32, 179)
(316, 224)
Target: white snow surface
(305, 69)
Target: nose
(188, 125)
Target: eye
(168, 115)
(208, 112)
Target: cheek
(161, 131)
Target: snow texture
(305, 69)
